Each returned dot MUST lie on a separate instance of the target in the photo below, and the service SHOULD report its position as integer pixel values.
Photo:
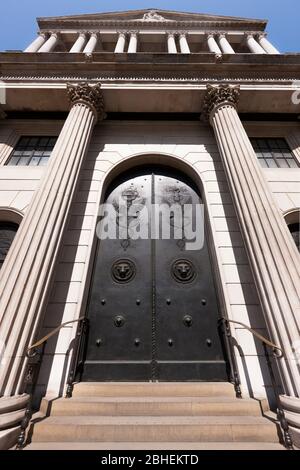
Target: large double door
(152, 307)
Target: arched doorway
(153, 308)
(8, 231)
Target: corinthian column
(253, 44)
(37, 43)
(120, 46)
(27, 271)
(266, 45)
(184, 46)
(132, 47)
(172, 49)
(50, 44)
(92, 43)
(224, 44)
(273, 256)
(212, 44)
(79, 43)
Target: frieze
(156, 78)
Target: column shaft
(253, 45)
(184, 46)
(79, 43)
(120, 46)
(172, 49)
(91, 45)
(273, 256)
(212, 44)
(266, 45)
(50, 43)
(26, 273)
(224, 45)
(37, 43)
(132, 48)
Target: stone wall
(117, 143)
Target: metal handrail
(35, 357)
(288, 442)
(258, 335)
(52, 333)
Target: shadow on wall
(60, 308)
(254, 312)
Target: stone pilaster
(273, 256)
(27, 271)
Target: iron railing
(277, 352)
(35, 354)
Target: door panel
(119, 345)
(153, 307)
(188, 344)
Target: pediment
(150, 15)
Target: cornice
(166, 25)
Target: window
(7, 234)
(295, 232)
(274, 153)
(32, 151)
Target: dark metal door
(153, 308)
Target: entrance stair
(154, 416)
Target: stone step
(153, 406)
(155, 429)
(158, 389)
(154, 446)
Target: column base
(9, 437)
(12, 412)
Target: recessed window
(274, 153)
(295, 232)
(8, 231)
(32, 151)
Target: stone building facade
(207, 97)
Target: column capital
(171, 33)
(122, 33)
(219, 95)
(250, 34)
(221, 34)
(88, 95)
(211, 34)
(260, 35)
(43, 34)
(183, 33)
(55, 34)
(133, 33)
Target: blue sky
(18, 18)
